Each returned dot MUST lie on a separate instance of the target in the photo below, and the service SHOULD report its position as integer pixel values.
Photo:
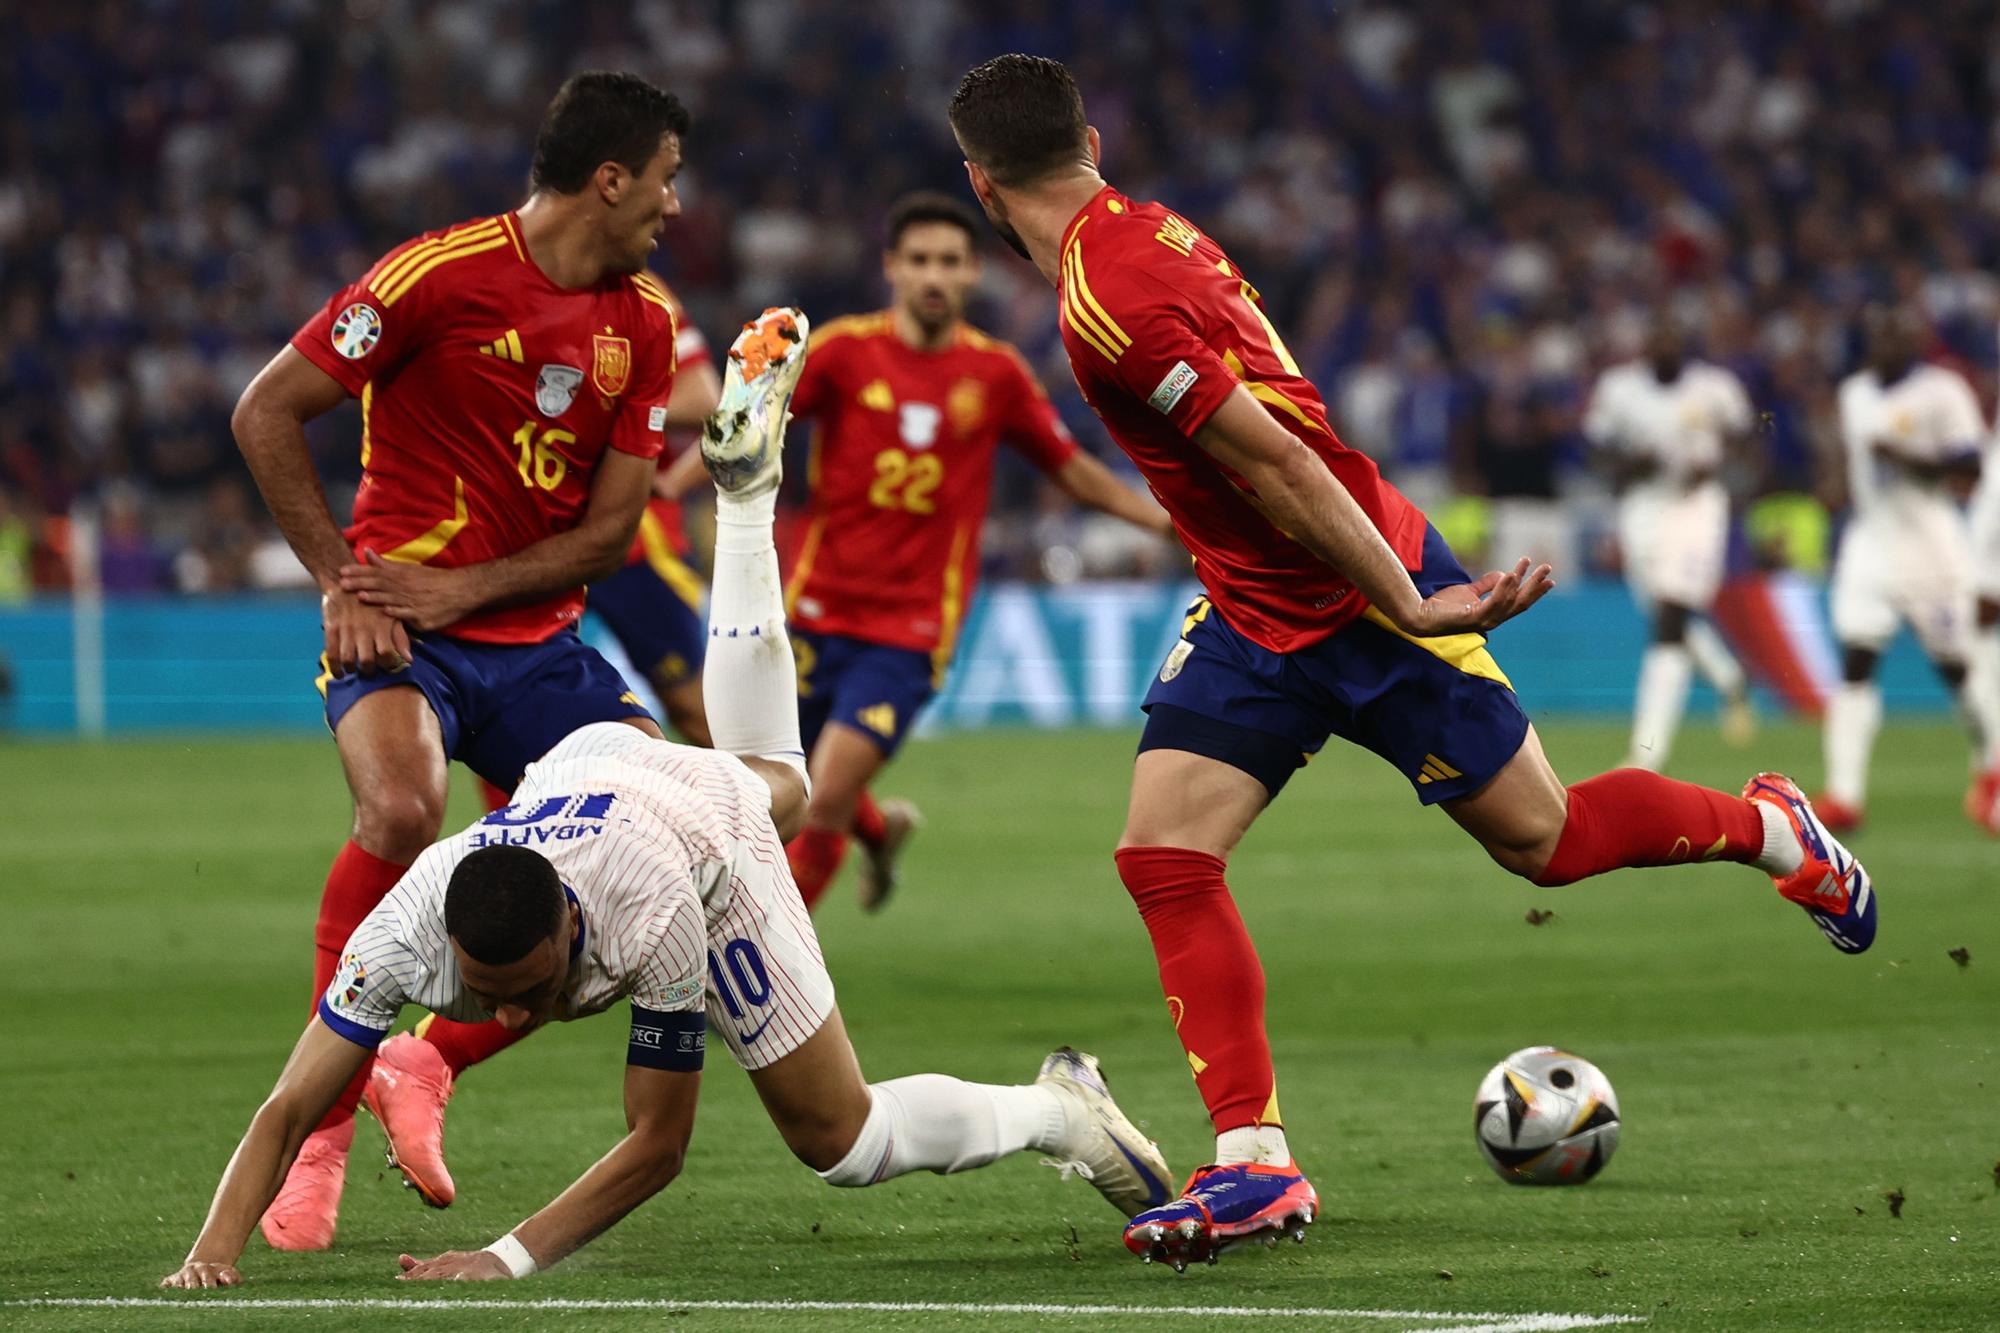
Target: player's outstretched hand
(1477, 607)
(422, 597)
(194, 1275)
(453, 1266)
(361, 638)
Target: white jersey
(1905, 557)
(665, 849)
(1930, 413)
(1674, 535)
(1680, 426)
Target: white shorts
(1885, 576)
(768, 988)
(1986, 532)
(1675, 544)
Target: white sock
(1264, 1144)
(933, 1122)
(749, 685)
(1982, 690)
(1664, 674)
(1852, 720)
(1782, 854)
(1713, 659)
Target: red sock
(868, 823)
(492, 795)
(357, 881)
(1212, 979)
(815, 855)
(464, 1045)
(1629, 817)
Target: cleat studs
(1189, 1229)
(1180, 1264)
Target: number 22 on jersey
(905, 481)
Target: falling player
(1909, 431)
(653, 607)
(910, 404)
(1332, 607)
(629, 867)
(514, 376)
(1666, 422)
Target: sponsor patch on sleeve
(1178, 381)
(656, 419)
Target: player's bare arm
(659, 1119)
(697, 390)
(269, 426)
(1310, 504)
(320, 1066)
(1088, 482)
(426, 597)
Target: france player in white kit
(1909, 431)
(1669, 421)
(632, 868)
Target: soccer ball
(1546, 1117)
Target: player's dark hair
(1018, 118)
(598, 117)
(502, 901)
(914, 210)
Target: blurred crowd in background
(1458, 213)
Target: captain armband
(673, 1042)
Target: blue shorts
(1440, 710)
(656, 615)
(875, 689)
(501, 706)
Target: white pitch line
(1459, 1322)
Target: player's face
(522, 994)
(931, 272)
(642, 208)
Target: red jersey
(902, 466)
(488, 395)
(1160, 328)
(662, 536)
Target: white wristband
(514, 1254)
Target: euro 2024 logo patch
(356, 330)
(349, 982)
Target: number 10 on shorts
(738, 977)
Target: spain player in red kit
(910, 404)
(514, 374)
(1332, 608)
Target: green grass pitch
(158, 899)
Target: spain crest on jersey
(610, 364)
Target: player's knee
(825, 1141)
(1526, 846)
(1952, 672)
(397, 823)
(1857, 665)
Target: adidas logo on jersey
(507, 347)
